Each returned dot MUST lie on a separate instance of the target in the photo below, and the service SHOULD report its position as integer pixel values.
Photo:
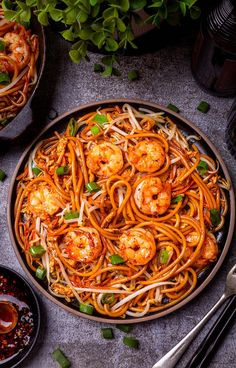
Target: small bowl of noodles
(22, 58)
(121, 210)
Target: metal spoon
(172, 357)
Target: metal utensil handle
(172, 357)
(206, 349)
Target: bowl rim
(28, 349)
(216, 267)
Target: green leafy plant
(107, 25)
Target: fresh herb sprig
(107, 25)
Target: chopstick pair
(206, 349)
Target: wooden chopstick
(206, 349)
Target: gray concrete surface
(165, 77)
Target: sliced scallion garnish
(71, 215)
(100, 118)
(164, 256)
(62, 170)
(131, 342)
(92, 187)
(177, 199)
(108, 298)
(72, 127)
(2, 45)
(40, 273)
(215, 216)
(124, 328)
(2, 175)
(202, 167)
(203, 107)
(86, 308)
(36, 171)
(116, 259)
(173, 107)
(4, 78)
(95, 130)
(61, 359)
(37, 251)
(107, 333)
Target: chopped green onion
(61, 359)
(107, 333)
(86, 308)
(100, 118)
(71, 215)
(131, 342)
(177, 199)
(2, 175)
(203, 107)
(215, 217)
(62, 170)
(124, 328)
(92, 187)
(116, 259)
(4, 78)
(36, 171)
(108, 298)
(173, 107)
(72, 127)
(98, 68)
(133, 75)
(202, 167)
(2, 45)
(94, 130)
(164, 256)
(40, 273)
(37, 251)
(4, 122)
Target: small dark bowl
(25, 117)
(17, 359)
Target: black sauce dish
(17, 297)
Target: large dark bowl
(224, 236)
(25, 117)
(17, 360)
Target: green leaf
(43, 18)
(70, 16)
(110, 13)
(75, 56)
(137, 4)
(120, 25)
(7, 4)
(163, 12)
(124, 4)
(85, 34)
(31, 3)
(108, 60)
(68, 35)
(183, 8)
(157, 4)
(98, 68)
(99, 39)
(215, 217)
(107, 72)
(10, 14)
(116, 72)
(133, 75)
(55, 14)
(202, 167)
(195, 12)
(93, 2)
(111, 44)
(25, 16)
(82, 17)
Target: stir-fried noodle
(120, 211)
(19, 52)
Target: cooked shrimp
(17, 48)
(43, 201)
(105, 159)
(152, 196)
(137, 246)
(147, 156)
(83, 244)
(208, 253)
